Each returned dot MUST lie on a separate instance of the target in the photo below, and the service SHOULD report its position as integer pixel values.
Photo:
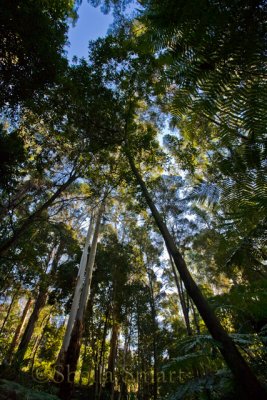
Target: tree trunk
(27, 335)
(123, 394)
(245, 378)
(39, 339)
(184, 307)
(196, 322)
(96, 382)
(5, 246)
(39, 305)
(72, 354)
(13, 298)
(18, 332)
(88, 317)
(101, 361)
(155, 330)
(84, 356)
(139, 357)
(113, 353)
(77, 294)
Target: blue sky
(91, 24)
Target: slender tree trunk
(77, 294)
(89, 315)
(39, 305)
(155, 330)
(32, 218)
(89, 374)
(101, 361)
(13, 298)
(27, 335)
(84, 356)
(139, 358)
(18, 332)
(113, 352)
(72, 354)
(39, 339)
(185, 309)
(96, 382)
(123, 385)
(195, 316)
(247, 381)
(35, 348)
(96, 363)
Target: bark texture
(71, 356)
(77, 294)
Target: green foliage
(246, 305)
(33, 35)
(216, 70)
(12, 154)
(199, 356)
(118, 6)
(9, 388)
(218, 386)
(198, 67)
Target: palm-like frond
(201, 353)
(209, 387)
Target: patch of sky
(91, 24)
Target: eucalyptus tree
(78, 289)
(72, 350)
(146, 294)
(59, 244)
(60, 137)
(120, 274)
(41, 177)
(113, 261)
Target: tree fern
(211, 381)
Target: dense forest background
(133, 202)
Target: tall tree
(72, 353)
(228, 349)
